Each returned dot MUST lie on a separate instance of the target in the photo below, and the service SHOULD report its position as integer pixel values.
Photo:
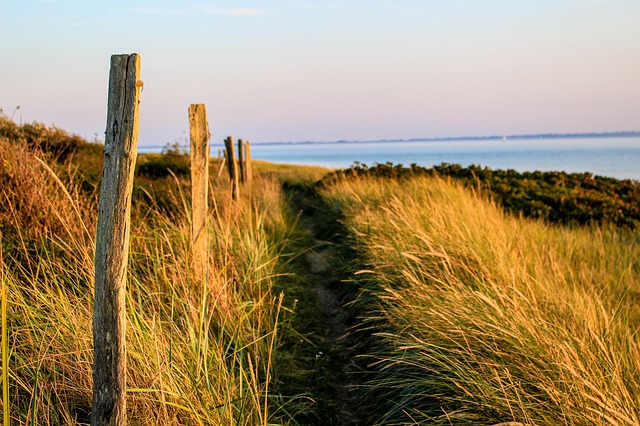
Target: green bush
(162, 166)
(58, 143)
(557, 197)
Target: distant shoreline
(621, 134)
(543, 136)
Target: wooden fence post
(199, 137)
(247, 162)
(112, 242)
(223, 160)
(241, 160)
(233, 169)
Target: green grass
(290, 172)
(480, 318)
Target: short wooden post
(112, 242)
(222, 162)
(233, 169)
(247, 162)
(199, 137)
(241, 160)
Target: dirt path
(328, 292)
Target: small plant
(175, 149)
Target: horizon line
(576, 135)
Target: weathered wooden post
(233, 169)
(222, 162)
(241, 160)
(112, 242)
(247, 162)
(199, 137)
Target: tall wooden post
(247, 162)
(233, 169)
(112, 242)
(241, 160)
(199, 137)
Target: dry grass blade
(66, 193)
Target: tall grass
(483, 318)
(5, 343)
(191, 358)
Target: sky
(299, 70)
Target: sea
(617, 157)
(612, 157)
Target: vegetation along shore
(374, 295)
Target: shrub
(50, 140)
(162, 166)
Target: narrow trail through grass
(326, 294)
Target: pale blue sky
(282, 70)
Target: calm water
(614, 157)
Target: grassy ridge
(482, 318)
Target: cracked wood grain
(112, 242)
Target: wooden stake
(241, 160)
(233, 169)
(199, 137)
(247, 161)
(112, 242)
(222, 162)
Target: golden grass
(479, 317)
(289, 172)
(493, 318)
(5, 345)
(191, 359)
